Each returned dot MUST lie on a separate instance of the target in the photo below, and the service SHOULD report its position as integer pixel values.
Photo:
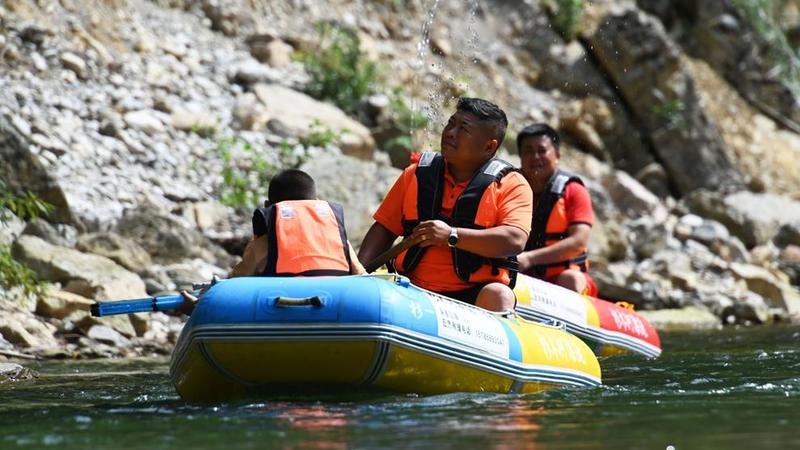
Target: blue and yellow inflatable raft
(279, 334)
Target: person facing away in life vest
(295, 235)
(467, 212)
(562, 214)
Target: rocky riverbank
(129, 117)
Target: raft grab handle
(284, 302)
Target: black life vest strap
(554, 190)
(338, 212)
(314, 273)
(430, 185)
(264, 223)
(540, 269)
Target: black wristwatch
(452, 240)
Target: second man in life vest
(562, 215)
(468, 213)
(297, 235)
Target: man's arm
(574, 244)
(377, 240)
(496, 242)
(355, 265)
(254, 259)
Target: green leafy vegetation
(248, 169)
(671, 112)
(320, 136)
(339, 71)
(760, 14)
(566, 16)
(405, 119)
(26, 205)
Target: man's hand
(431, 232)
(189, 302)
(525, 260)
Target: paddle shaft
(151, 304)
(384, 257)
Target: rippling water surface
(736, 388)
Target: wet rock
(683, 319)
(15, 372)
(303, 115)
(119, 249)
(89, 275)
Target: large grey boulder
(119, 249)
(645, 64)
(91, 276)
(167, 239)
(755, 218)
(302, 115)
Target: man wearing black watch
(467, 213)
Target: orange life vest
(424, 202)
(550, 225)
(305, 238)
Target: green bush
(247, 170)
(405, 120)
(14, 274)
(566, 15)
(320, 136)
(339, 71)
(26, 205)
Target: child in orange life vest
(296, 235)
(562, 214)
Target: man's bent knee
(571, 279)
(496, 297)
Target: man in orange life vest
(562, 215)
(468, 213)
(295, 235)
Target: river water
(734, 388)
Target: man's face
(538, 156)
(467, 141)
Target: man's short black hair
(291, 184)
(486, 111)
(539, 129)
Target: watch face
(452, 240)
